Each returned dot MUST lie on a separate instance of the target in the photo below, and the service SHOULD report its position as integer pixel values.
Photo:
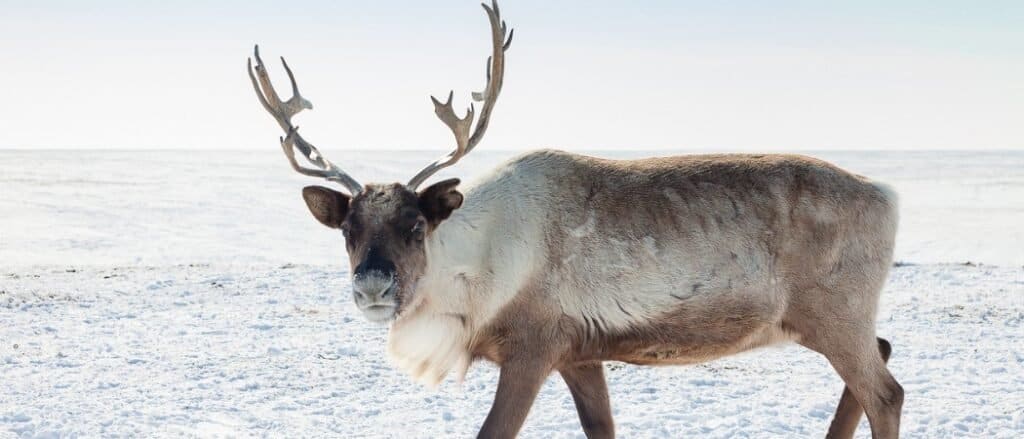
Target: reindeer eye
(418, 229)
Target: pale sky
(597, 74)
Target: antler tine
(282, 113)
(297, 103)
(256, 85)
(465, 142)
(268, 96)
(508, 42)
(459, 126)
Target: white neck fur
(477, 261)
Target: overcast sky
(743, 75)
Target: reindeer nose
(373, 285)
(374, 276)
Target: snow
(170, 293)
(281, 352)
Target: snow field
(280, 351)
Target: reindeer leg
(518, 385)
(848, 414)
(858, 361)
(590, 393)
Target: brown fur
(590, 394)
(848, 414)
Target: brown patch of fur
(688, 334)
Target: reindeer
(560, 262)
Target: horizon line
(603, 149)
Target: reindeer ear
(439, 200)
(327, 205)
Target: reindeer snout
(373, 286)
(374, 293)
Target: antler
(464, 141)
(282, 113)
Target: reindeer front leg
(518, 385)
(590, 393)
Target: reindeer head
(385, 226)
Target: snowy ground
(167, 294)
(281, 352)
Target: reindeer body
(659, 261)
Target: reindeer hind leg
(859, 359)
(849, 411)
